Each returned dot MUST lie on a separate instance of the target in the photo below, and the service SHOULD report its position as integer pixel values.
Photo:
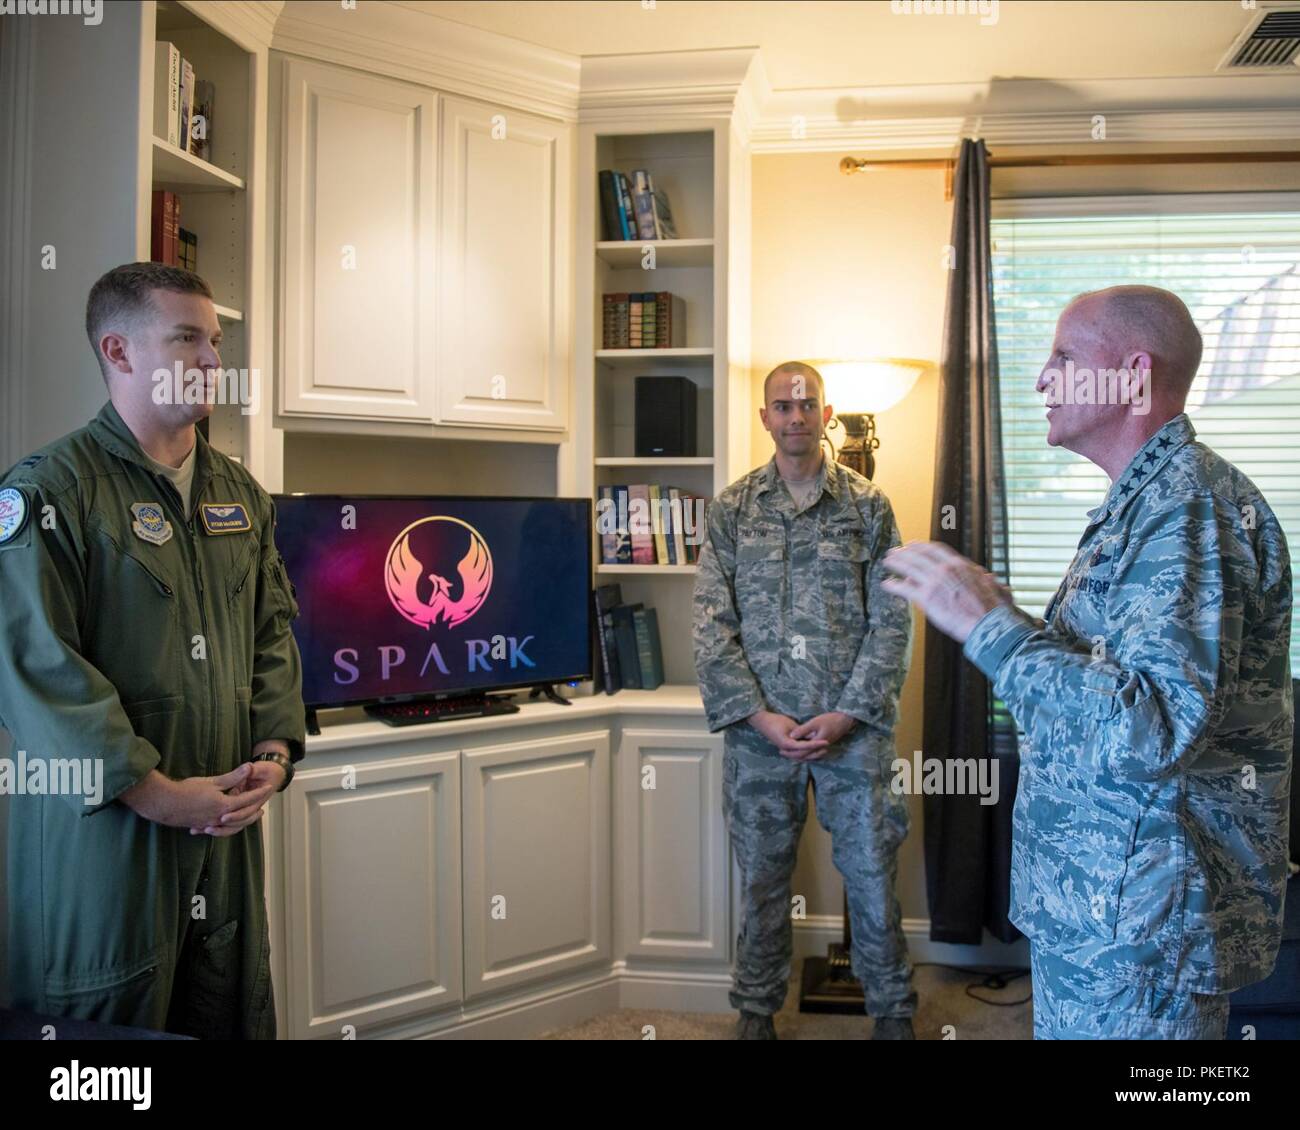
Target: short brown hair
(123, 295)
(800, 369)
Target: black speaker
(665, 416)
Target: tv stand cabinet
(501, 876)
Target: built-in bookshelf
(213, 194)
(691, 162)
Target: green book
(648, 652)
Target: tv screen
(404, 596)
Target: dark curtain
(967, 844)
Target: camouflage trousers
(765, 802)
(1073, 1003)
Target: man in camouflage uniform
(1150, 828)
(800, 655)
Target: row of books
(628, 651)
(653, 319)
(634, 209)
(649, 524)
(182, 103)
(169, 242)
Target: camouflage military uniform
(1150, 827)
(790, 617)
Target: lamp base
(860, 442)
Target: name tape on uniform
(225, 518)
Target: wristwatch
(281, 759)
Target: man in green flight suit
(146, 633)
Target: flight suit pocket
(132, 996)
(133, 631)
(210, 1007)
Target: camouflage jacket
(789, 611)
(1155, 704)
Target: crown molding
(712, 83)
(250, 23)
(1031, 112)
(390, 38)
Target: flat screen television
(406, 597)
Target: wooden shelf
(655, 461)
(648, 570)
(226, 314)
(179, 171)
(700, 355)
(623, 253)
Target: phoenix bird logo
(425, 597)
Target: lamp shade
(868, 385)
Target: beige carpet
(942, 1001)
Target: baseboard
(812, 936)
(634, 985)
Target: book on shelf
(164, 228)
(186, 102)
(201, 120)
(166, 93)
(632, 208)
(629, 661)
(665, 225)
(649, 524)
(607, 598)
(643, 546)
(645, 320)
(650, 659)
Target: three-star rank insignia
(150, 523)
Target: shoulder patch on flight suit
(225, 518)
(150, 524)
(13, 513)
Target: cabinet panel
(536, 851)
(674, 844)
(358, 245)
(374, 893)
(505, 269)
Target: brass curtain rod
(851, 165)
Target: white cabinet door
(374, 911)
(674, 845)
(358, 245)
(505, 269)
(536, 851)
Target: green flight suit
(146, 638)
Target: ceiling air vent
(1273, 42)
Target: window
(1237, 269)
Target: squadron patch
(13, 513)
(150, 524)
(225, 518)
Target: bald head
(811, 384)
(1144, 320)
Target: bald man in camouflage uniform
(800, 655)
(1150, 827)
